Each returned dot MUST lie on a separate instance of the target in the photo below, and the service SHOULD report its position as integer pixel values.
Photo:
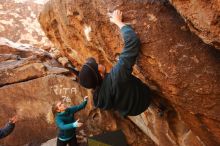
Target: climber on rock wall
(9, 127)
(64, 118)
(118, 90)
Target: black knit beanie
(89, 76)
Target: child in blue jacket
(64, 118)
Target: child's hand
(77, 124)
(116, 18)
(80, 124)
(85, 98)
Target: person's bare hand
(86, 98)
(116, 18)
(79, 124)
(13, 120)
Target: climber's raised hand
(13, 119)
(116, 18)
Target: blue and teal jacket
(65, 121)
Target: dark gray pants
(71, 142)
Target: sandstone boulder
(174, 62)
(202, 17)
(19, 22)
(21, 63)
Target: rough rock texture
(26, 77)
(24, 63)
(19, 22)
(30, 82)
(202, 17)
(173, 61)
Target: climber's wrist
(120, 24)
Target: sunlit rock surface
(202, 17)
(173, 61)
(18, 22)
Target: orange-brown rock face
(30, 82)
(173, 61)
(19, 22)
(202, 17)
